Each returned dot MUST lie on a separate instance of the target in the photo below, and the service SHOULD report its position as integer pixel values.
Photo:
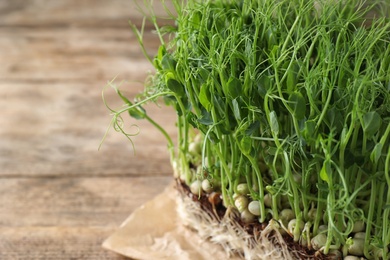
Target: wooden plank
(92, 55)
(56, 129)
(53, 117)
(59, 196)
(74, 202)
(74, 12)
(67, 218)
(55, 243)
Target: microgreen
(290, 97)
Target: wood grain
(70, 201)
(57, 129)
(93, 13)
(67, 217)
(50, 84)
(59, 196)
(73, 54)
(55, 243)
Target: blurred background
(59, 196)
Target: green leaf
(252, 128)
(169, 100)
(263, 85)
(219, 105)
(298, 104)
(292, 77)
(309, 129)
(160, 54)
(334, 119)
(270, 36)
(324, 173)
(322, 187)
(168, 63)
(191, 118)
(376, 153)
(213, 138)
(274, 53)
(224, 128)
(371, 123)
(176, 87)
(246, 145)
(136, 112)
(236, 109)
(272, 150)
(234, 87)
(125, 99)
(196, 18)
(206, 118)
(205, 97)
(203, 73)
(274, 122)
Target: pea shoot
(283, 108)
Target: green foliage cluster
(291, 97)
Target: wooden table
(59, 196)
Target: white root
(227, 232)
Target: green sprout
(284, 107)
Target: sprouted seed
(241, 203)
(351, 257)
(254, 207)
(247, 217)
(318, 241)
(196, 187)
(357, 247)
(206, 186)
(358, 226)
(242, 189)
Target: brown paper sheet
(154, 231)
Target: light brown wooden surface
(59, 196)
